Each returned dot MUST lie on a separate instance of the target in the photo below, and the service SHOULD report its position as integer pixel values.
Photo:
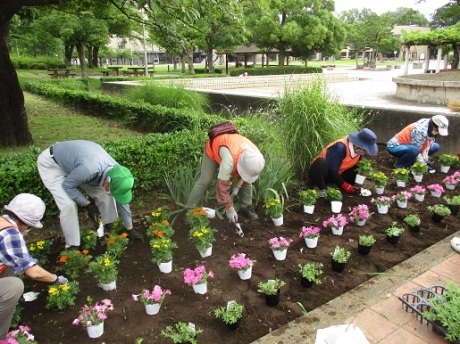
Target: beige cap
(442, 123)
(28, 208)
(250, 164)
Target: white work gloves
(61, 280)
(423, 157)
(235, 191)
(232, 216)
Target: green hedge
(37, 62)
(276, 70)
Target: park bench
(105, 73)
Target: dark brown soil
(129, 322)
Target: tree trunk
(81, 57)
(95, 56)
(13, 116)
(209, 59)
(281, 56)
(68, 52)
(90, 56)
(455, 61)
(189, 60)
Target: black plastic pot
(338, 267)
(393, 239)
(305, 283)
(414, 229)
(453, 209)
(233, 326)
(437, 217)
(364, 250)
(272, 300)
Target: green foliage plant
(445, 309)
(116, 244)
(231, 313)
(448, 159)
(412, 220)
(364, 167)
(454, 200)
(73, 262)
(311, 119)
(61, 296)
(401, 174)
(333, 194)
(439, 209)
(340, 254)
(308, 197)
(196, 217)
(311, 271)
(366, 240)
(104, 268)
(394, 229)
(88, 239)
(271, 287)
(274, 205)
(181, 332)
(202, 237)
(40, 250)
(380, 179)
(419, 168)
(162, 249)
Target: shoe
(249, 213)
(135, 235)
(72, 248)
(455, 243)
(108, 228)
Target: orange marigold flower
(165, 222)
(111, 241)
(85, 252)
(158, 233)
(63, 259)
(124, 235)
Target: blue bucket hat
(365, 139)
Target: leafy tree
(406, 16)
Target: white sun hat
(442, 123)
(250, 164)
(28, 208)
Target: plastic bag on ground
(341, 334)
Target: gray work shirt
(86, 162)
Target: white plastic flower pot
(401, 204)
(206, 253)
(278, 221)
(200, 288)
(400, 184)
(166, 267)
(450, 186)
(418, 178)
(311, 243)
(419, 197)
(435, 194)
(361, 223)
(152, 309)
(382, 209)
(379, 190)
(359, 179)
(280, 254)
(309, 209)
(95, 331)
(445, 169)
(109, 286)
(337, 230)
(245, 274)
(210, 213)
(336, 206)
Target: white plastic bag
(341, 334)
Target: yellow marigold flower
(156, 246)
(31, 248)
(64, 287)
(106, 261)
(53, 291)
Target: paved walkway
(374, 306)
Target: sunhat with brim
(28, 208)
(442, 123)
(365, 139)
(455, 243)
(121, 184)
(250, 164)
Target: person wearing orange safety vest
(23, 212)
(416, 142)
(336, 163)
(232, 155)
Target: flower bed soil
(129, 321)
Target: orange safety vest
(347, 162)
(236, 143)
(403, 137)
(4, 223)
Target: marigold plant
(160, 229)
(364, 167)
(73, 262)
(401, 174)
(197, 217)
(202, 237)
(308, 197)
(61, 296)
(88, 239)
(162, 249)
(116, 244)
(104, 268)
(159, 214)
(40, 250)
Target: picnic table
(61, 73)
(138, 71)
(115, 70)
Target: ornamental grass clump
(156, 295)
(231, 313)
(308, 197)
(74, 262)
(202, 237)
(364, 167)
(61, 296)
(311, 271)
(40, 250)
(104, 268)
(93, 314)
(380, 179)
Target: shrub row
(37, 62)
(276, 70)
(138, 115)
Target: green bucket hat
(121, 183)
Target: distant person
(416, 142)
(232, 155)
(24, 212)
(337, 161)
(68, 166)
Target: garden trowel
(238, 230)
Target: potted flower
(413, 221)
(160, 230)
(203, 237)
(197, 278)
(453, 203)
(446, 161)
(279, 246)
(419, 192)
(20, 336)
(231, 314)
(401, 175)
(436, 190)
(418, 169)
(363, 169)
(340, 258)
(382, 203)
(450, 182)
(92, 317)
(309, 273)
(359, 214)
(242, 264)
(334, 196)
(197, 217)
(152, 300)
(73, 262)
(271, 290)
(365, 244)
(439, 212)
(308, 198)
(394, 232)
(116, 244)
(162, 251)
(61, 296)
(88, 239)
(274, 208)
(40, 250)
(181, 332)
(401, 198)
(105, 270)
(336, 223)
(380, 181)
(310, 235)
(159, 215)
